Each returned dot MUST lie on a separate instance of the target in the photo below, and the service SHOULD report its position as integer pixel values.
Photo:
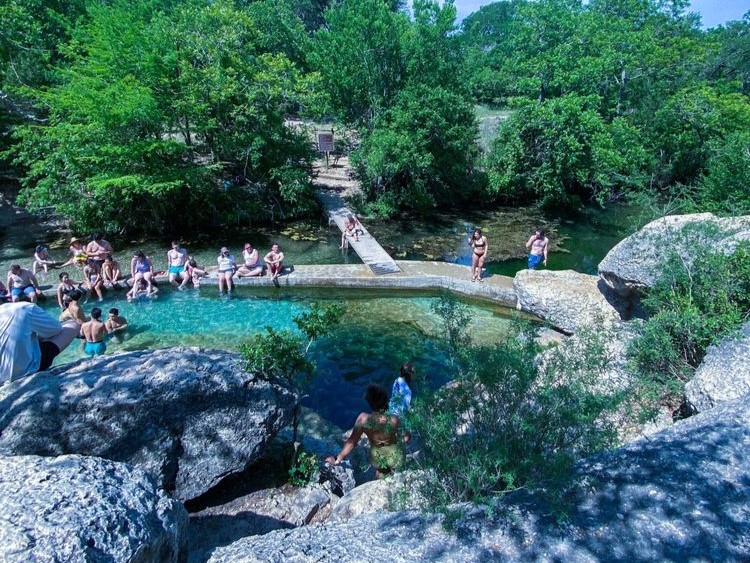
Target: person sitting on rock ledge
(382, 429)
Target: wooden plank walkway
(367, 248)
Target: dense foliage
(694, 304)
(123, 112)
(508, 420)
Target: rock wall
(187, 416)
(75, 508)
(679, 495)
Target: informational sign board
(325, 142)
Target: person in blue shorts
(94, 332)
(22, 283)
(538, 243)
(177, 259)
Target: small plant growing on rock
(282, 355)
(302, 472)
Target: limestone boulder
(679, 495)
(635, 263)
(566, 299)
(187, 416)
(723, 375)
(76, 508)
(257, 513)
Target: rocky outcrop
(679, 495)
(187, 416)
(636, 262)
(76, 508)
(723, 375)
(257, 513)
(566, 299)
(397, 491)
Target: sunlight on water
(377, 335)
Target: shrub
(694, 304)
(510, 420)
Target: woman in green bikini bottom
(382, 429)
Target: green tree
(562, 152)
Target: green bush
(509, 420)
(303, 470)
(694, 304)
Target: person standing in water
(538, 244)
(479, 246)
(94, 332)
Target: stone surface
(380, 496)
(723, 375)
(76, 508)
(340, 478)
(680, 495)
(257, 513)
(187, 416)
(566, 299)
(634, 264)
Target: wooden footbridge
(330, 182)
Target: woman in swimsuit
(65, 287)
(141, 269)
(478, 243)
(78, 257)
(352, 228)
(383, 431)
(92, 277)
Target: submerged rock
(187, 416)
(636, 262)
(678, 495)
(566, 299)
(76, 508)
(723, 375)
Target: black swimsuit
(477, 245)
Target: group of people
(537, 245)
(382, 425)
(102, 271)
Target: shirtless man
(114, 322)
(382, 429)
(538, 244)
(94, 332)
(275, 262)
(252, 265)
(111, 272)
(98, 249)
(176, 259)
(352, 228)
(21, 282)
(72, 309)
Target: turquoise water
(378, 334)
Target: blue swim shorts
(95, 348)
(25, 290)
(535, 260)
(176, 270)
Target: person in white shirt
(30, 339)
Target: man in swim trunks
(98, 249)
(252, 265)
(275, 262)
(382, 429)
(538, 244)
(177, 258)
(30, 339)
(21, 283)
(94, 332)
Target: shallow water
(378, 334)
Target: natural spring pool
(380, 331)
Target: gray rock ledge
(75, 508)
(187, 416)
